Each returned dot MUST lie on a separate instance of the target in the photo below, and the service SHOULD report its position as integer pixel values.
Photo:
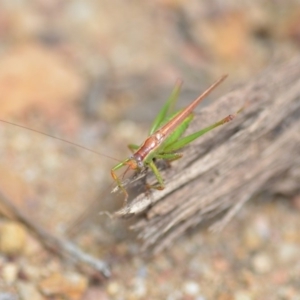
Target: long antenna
(57, 138)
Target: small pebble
(262, 263)
(70, 285)
(33, 246)
(139, 287)
(12, 238)
(113, 288)
(287, 292)
(262, 227)
(28, 291)
(242, 295)
(9, 273)
(95, 293)
(191, 288)
(252, 240)
(288, 252)
(221, 264)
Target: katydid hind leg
(177, 133)
(169, 156)
(190, 138)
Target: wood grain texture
(258, 151)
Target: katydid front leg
(118, 181)
(169, 156)
(131, 164)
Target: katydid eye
(138, 160)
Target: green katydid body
(165, 137)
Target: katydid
(165, 138)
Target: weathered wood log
(258, 151)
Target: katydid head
(135, 162)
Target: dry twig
(63, 247)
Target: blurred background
(96, 73)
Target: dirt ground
(96, 73)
